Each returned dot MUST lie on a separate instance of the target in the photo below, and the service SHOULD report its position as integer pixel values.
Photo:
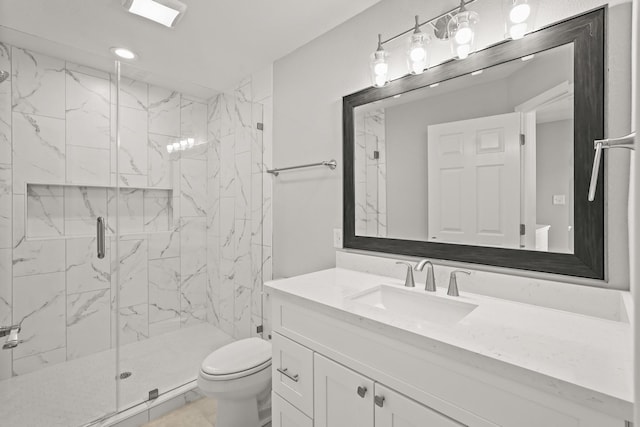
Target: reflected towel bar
(331, 164)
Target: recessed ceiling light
(475, 73)
(123, 53)
(165, 12)
(528, 57)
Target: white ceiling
(217, 42)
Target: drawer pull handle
(362, 391)
(284, 372)
(379, 400)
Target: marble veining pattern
(87, 110)
(85, 272)
(164, 111)
(38, 150)
(38, 84)
(88, 323)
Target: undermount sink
(413, 305)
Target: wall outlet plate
(559, 199)
(337, 238)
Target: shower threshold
(80, 391)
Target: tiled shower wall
(239, 223)
(370, 173)
(57, 129)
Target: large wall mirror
(485, 160)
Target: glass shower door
(189, 239)
(57, 360)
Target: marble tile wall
(370, 174)
(239, 219)
(191, 249)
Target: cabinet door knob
(362, 391)
(379, 400)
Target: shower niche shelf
(70, 210)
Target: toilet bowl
(235, 375)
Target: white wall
(309, 85)
(554, 177)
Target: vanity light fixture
(462, 31)
(379, 65)
(518, 17)
(456, 25)
(165, 12)
(123, 53)
(417, 54)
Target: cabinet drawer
(284, 414)
(292, 373)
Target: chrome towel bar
(331, 164)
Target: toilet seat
(236, 360)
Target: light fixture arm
(455, 10)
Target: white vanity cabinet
(343, 397)
(334, 369)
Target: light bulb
(170, 148)
(463, 51)
(518, 31)
(378, 65)
(519, 13)
(176, 146)
(464, 34)
(418, 54)
(190, 142)
(381, 68)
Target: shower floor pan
(77, 392)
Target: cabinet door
(341, 397)
(292, 373)
(284, 414)
(395, 410)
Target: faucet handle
(408, 281)
(453, 282)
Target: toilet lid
(239, 356)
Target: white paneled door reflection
(474, 181)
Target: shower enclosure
(131, 235)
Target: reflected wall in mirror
(482, 159)
(435, 166)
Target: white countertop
(589, 353)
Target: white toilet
(235, 375)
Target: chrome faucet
(408, 281)
(430, 284)
(453, 283)
(11, 332)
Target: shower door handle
(100, 236)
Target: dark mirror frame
(586, 32)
